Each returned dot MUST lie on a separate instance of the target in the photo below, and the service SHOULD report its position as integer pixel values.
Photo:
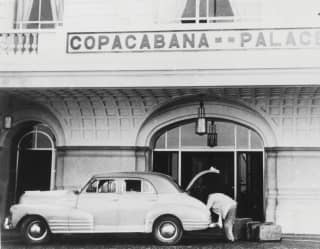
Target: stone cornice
(251, 77)
(102, 148)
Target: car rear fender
(184, 213)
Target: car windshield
(85, 186)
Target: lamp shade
(7, 122)
(201, 124)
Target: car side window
(107, 186)
(138, 186)
(133, 185)
(102, 186)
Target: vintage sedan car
(120, 202)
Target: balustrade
(19, 43)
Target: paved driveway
(142, 241)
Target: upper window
(38, 14)
(229, 136)
(205, 11)
(40, 138)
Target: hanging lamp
(201, 126)
(212, 139)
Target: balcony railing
(19, 43)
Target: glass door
(250, 187)
(194, 162)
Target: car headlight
(7, 224)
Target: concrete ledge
(302, 237)
(290, 149)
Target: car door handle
(152, 200)
(115, 200)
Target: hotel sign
(193, 40)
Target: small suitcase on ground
(240, 228)
(269, 232)
(252, 230)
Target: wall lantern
(7, 122)
(201, 126)
(212, 139)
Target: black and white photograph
(159, 124)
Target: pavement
(207, 240)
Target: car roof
(130, 173)
(163, 183)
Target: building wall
(76, 165)
(99, 13)
(292, 192)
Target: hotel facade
(98, 86)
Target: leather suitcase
(251, 230)
(240, 228)
(269, 232)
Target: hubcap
(167, 230)
(37, 231)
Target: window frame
(120, 185)
(207, 18)
(53, 24)
(142, 180)
(93, 180)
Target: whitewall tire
(35, 230)
(167, 230)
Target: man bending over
(226, 209)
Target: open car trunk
(198, 186)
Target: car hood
(56, 197)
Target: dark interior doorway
(167, 163)
(194, 162)
(34, 170)
(249, 189)
(250, 185)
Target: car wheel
(35, 230)
(167, 230)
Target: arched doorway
(35, 161)
(179, 152)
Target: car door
(100, 199)
(137, 198)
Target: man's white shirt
(220, 204)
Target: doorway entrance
(180, 153)
(34, 161)
(195, 162)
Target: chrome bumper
(7, 224)
(192, 225)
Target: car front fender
(60, 219)
(20, 211)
